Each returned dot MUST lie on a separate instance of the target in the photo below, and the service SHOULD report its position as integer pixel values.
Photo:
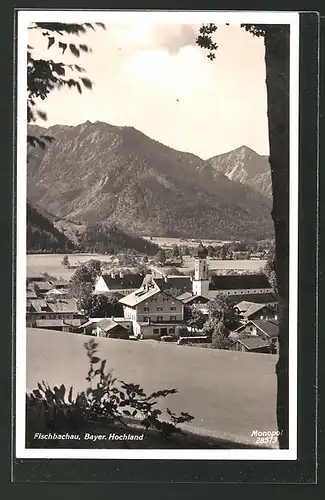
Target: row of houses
(150, 311)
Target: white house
(153, 312)
(118, 282)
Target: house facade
(265, 332)
(153, 312)
(53, 314)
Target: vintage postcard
(157, 230)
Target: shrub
(106, 400)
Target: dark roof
(270, 327)
(201, 252)
(42, 286)
(259, 298)
(254, 308)
(236, 282)
(127, 281)
(183, 283)
(254, 342)
(108, 324)
(195, 299)
(47, 323)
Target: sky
(153, 77)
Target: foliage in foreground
(105, 401)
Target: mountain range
(246, 166)
(96, 172)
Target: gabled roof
(63, 306)
(39, 305)
(56, 292)
(254, 343)
(60, 283)
(270, 327)
(195, 298)
(124, 282)
(107, 324)
(47, 323)
(185, 296)
(30, 294)
(253, 308)
(140, 295)
(42, 286)
(240, 281)
(183, 283)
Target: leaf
(74, 50)
(70, 395)
(51, 41)
(95, 360)
(83, 47)
(42, 115)
(63, 46)
(87, 83)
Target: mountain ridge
(96, 172)
(244, 165)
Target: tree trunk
(277, 59)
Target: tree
(160, 257)
(101, 306)
(84, 279)
(175, 251)
(194, 318)
(45, 75)
(221, 309)
(65, 262)
(219, 337)
(277, 58)
(270, 271)
(141, 269)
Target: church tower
(200, 284)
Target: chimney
(276, 317)
(121, 274)
(112, 274)
(165, 279)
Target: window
(159, 318)
(153, 300)
(159, 308)
(173, 308)
(145, 318)
(171, 330)
(146, 309)
(156, 331)
(165, 299)
(163, 331)
(173, 318)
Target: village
(235, 311)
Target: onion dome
(201, 252)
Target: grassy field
(51, 264)
(230, 394)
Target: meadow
(52, 264)
(229, 393)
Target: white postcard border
(169, 17)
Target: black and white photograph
(157, 230)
